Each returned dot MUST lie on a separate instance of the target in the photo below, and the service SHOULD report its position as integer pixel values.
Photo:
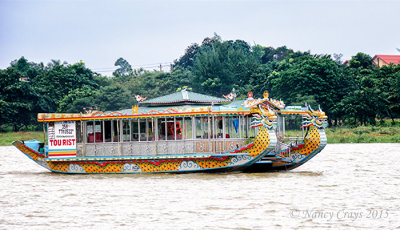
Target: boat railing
(294, 138)
(165, 147)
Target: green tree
(317, 76)
(124, 72)
(188, 58)
(111, 98)
(19, 102)
(361, 60)
(387, 88)
(57, 80)
(223, 66)
(154, 84)
(73, 102)
(186, 61)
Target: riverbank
(360, 134)
(7, 138)
(364, 134)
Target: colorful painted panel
(62, 139)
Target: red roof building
(381, 60)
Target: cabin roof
(183, 97)
(235, 106)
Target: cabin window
(107, 131)
(94, 131)
(218, 127)
(232, 127)
(198, 127)
(242, 124)
(205, 121)
(115, 131)
(98, 132)
(236, 127)
(251, 130)
(180, 130)
(202, 127)
(78, 132)
(187, 128)
(90, 131)
(161, 128)
(150, 129)
(211, 125)
(170, 129)
(228, 127)
(126, 131)
(178, 124)
(142, 130)
(135, 130)
(245, 127)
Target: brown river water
(346, 186)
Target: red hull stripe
(33, 151)
(244, 148)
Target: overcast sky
(150, 32)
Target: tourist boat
(181, 132)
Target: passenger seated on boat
(178, 132)
(170, 131)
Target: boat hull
(315, 142)
(236, 160)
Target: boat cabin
(180, 123)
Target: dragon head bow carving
(266, 118)
(315, 118)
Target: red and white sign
(62, 139)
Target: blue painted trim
(263, 162)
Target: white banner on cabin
(62, 139)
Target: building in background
(382, 60)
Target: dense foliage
(353, 93)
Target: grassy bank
(8, 137)
(364, 134)
(361, 134)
